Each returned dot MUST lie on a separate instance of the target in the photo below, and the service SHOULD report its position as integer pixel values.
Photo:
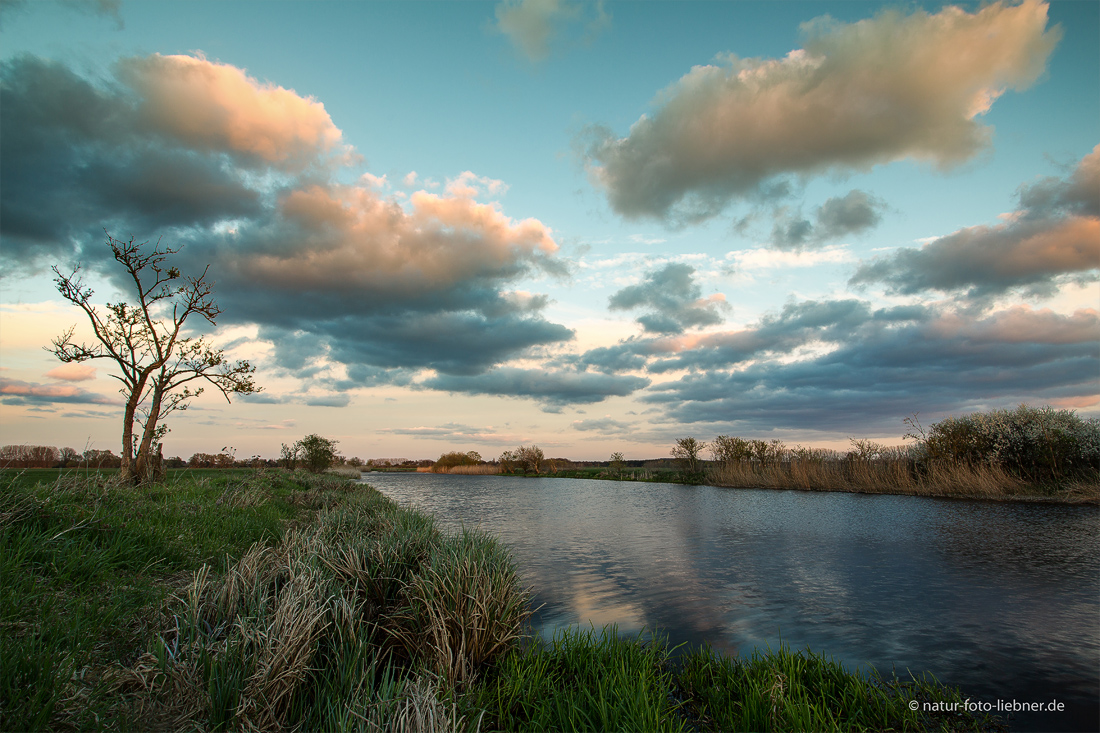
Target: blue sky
(595, 227)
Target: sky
(594, 227)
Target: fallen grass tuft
(362, 616)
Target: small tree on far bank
(531, 457)
(618, 460)
(314, 453)
(686, 452)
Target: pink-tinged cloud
(15, 391)
(353, 239)
(1056, 235)
(891, 87)
(1021, 324)
(72, 372)
(992, 257)
(218, 107)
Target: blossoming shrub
(1038, 443)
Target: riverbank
(275, 599)
(871, 477)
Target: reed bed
(345, 472)
(888, 476)
(485, 469)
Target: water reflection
(1000, 599)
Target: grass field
(268, 600)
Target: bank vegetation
(279, 600)
(1022, 453)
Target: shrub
(315, 453)
(1038, 443)
(455, 458)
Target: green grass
(598, 681)
(783, 690)
(269, 600)
(87, 565)
(582, 681)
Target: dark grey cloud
(888, 369)
(854, 213)
(461, 344)
(673, 298)
(625, 356)
(797, 325)
(1056, 235)
(242, 175)
(1078, 194)
(551, 388)
(74, 159)
(330, 400)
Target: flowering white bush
(1039, 442)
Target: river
(1001, 599)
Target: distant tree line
(47, 456)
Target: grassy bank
(271, 600)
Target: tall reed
(484, 469)
(878, 476)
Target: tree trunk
(145, 467)
(126, 471)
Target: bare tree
(156, 362)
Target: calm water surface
(1001, 599)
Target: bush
(1038, 443)
(450, 460)
(315, 453)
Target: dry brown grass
(874, 477)
(345, 472)
(485, 469)
(415, 709)
(463, 610)
(267, 631)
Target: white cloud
(764, 258)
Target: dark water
(1000, 599)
